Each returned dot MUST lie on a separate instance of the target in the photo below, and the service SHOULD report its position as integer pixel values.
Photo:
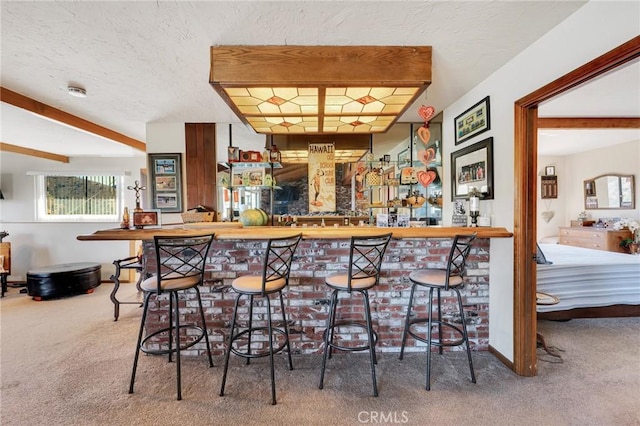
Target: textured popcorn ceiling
(143, 62)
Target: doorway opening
(526, 148)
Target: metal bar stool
(365, 259)
(180, 262)
(274, 278)
(133, 262)
(449, 279)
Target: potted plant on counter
(630, 244)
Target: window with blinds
(79, 197)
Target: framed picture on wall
(472, 167)
(473, 121)
(166, 182)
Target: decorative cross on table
(137, 188)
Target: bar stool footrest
(261, 353)
(445, 324)
(350, 348)
(150, 351)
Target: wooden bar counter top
(235, 231)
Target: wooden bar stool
(180, 263)
(365, 259)
(449, 279)
(274, 278)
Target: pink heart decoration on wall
(424, 134)
(425, 178)
(426, 156)
(426, 112)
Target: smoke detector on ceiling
(78, 92)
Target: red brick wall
(307, 298)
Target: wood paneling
(200, 165)
(589, 123)
(321, 65)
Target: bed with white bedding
(588, 283)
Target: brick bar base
(307, 298)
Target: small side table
(546, 299)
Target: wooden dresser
(593, 238)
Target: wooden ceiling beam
(589, 123)
(44, 110)
(5, 147)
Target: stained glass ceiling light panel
(320, 89)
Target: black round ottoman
(63, 280)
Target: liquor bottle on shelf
(125, 219)
(275, 154)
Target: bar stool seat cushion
(252, 284)
(340, 281)
(170, 284)
(434, 278)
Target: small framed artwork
(473, 121)
(166, 182)
(253, 177)
(382, 220)
(550, 171)
(472, 167)
(236, 177)
(146, 219)
(404, 158)
(166, 201)
(408, 176)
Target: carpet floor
(66, 362)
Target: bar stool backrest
(180, 257)
(365, 257)
(457, 263)
(278, 258)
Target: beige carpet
(65, 362)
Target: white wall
(241, 136)
(591, 31)
(36, 244)
(167, 138)
(556, 205)
(573, 170)
(619, 159)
